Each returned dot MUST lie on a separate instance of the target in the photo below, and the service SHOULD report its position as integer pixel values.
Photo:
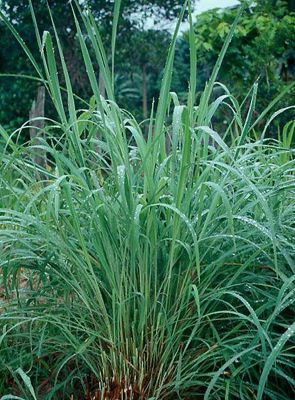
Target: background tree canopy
(134, 65)
(262, 49)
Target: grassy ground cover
(146, 265)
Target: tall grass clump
(145, 265)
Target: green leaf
(27, 381)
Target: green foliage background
(262, 49)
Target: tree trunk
(144, 92)
(102, 87)
(37, 126)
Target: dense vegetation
(262, 49)
(147, 260)
(133, 68)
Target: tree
(130, 34)
(149, 60)
(17, 95)
(262, 49)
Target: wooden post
(102, 87)
(37, 126)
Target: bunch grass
(155, 266)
